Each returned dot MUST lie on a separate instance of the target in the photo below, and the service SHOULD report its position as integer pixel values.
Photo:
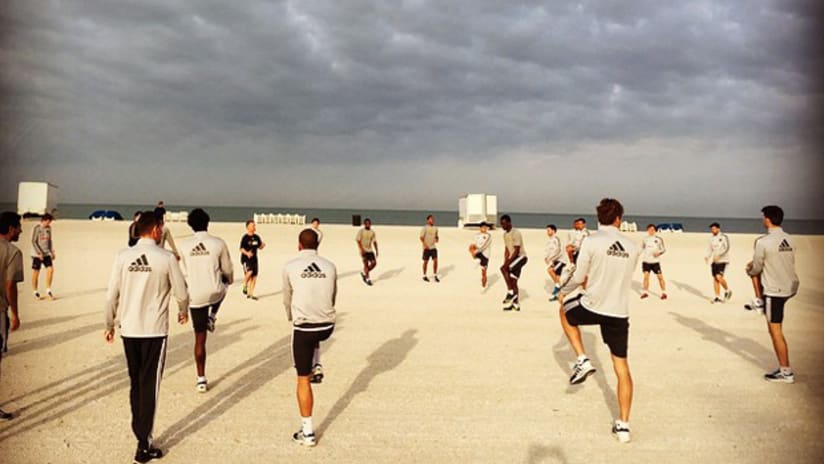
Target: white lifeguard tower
(475, 208)
(36, 198)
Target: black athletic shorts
(557, 267)
(430, 253)
(614, 330)
(515, 267)
(305, 339)
(200, 316)
(483, 259)
(774, 308)
(368, 256)
(718, 268)
(36, 262)
(249, 265)
(655, 268)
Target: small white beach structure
(475, 208)
(36, 198)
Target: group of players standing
(145, 278)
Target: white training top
(553, 249)
(207, 267)
(483, 243)
(514, 239)
(608, 259)
(652, 244)
(144, 278)
(310, 285)
(719, 247)
(774, 259)
(576, 237)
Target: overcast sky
(676, 108)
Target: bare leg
(621, 367)
(35, 275)
(552, 275)
(573, 334)
(305, 398)
(366, 269)
(646, 282)
(252, 282)
(49, 275)
(200, 353)
(483, 277)
(425, 262)
(246, 278)
(435, 265)
(779, 344)
(716, 286)
(723, 282)
(662, 283)
(507, 280)
(372, 264)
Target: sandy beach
(419, 372)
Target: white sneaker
(202, 386)
(582, 370)
(621, 432)
(778, 376)
(306, 440)
(756, 305)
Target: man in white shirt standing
(652, 249)
(310, 284)
(479, 250)
(606, 262)
(552, 258)
(144, 279)
(718, 258)
(773, 270)
(208, 270)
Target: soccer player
(11, 270)
(250, 243)
(42, 253)
(607, 261)
(144, 279)
(316, 227)
(309, 290)
(514, 260)
(552, 258)
(479, 250)
(365, 239)
(576, 236)
(160, 213)
(208, 271)
(718, 258)
(773, 264)
(653, 248)
(429, 240)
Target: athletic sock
(582, 357)
(307, 425)
(621, 423)
(786, 370)
(201, 378)
(316, 357)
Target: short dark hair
(653, 226)
(580, 219)
(552, 226)
(148, 220)
(430, 216)
(774, 213)
(315, 220)
(308, 239)
(8, 219)
(47, 217)
(367, 220)
(198, 220)
(506, 217)
(250, 221)
(609, 210)
(715, 224)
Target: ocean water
(443, 218)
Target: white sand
(420, 372)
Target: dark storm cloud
(362, 85)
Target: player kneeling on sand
(606, 261)
(479, 250)
(310, 284)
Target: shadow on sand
(545, 454)
(689, 289)
(390, 274)
(745, 348)
(68, 394)
(386, 358)
(565, 357)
